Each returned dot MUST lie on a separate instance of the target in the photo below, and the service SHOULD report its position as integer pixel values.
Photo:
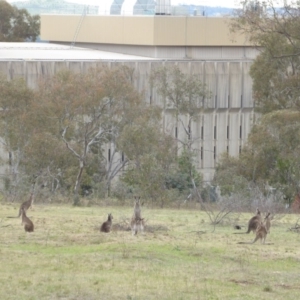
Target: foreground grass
(68, 258)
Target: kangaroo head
(110, 217)
(257, 211)
(137, 201)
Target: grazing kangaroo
(253, 223)
(137, 222)
(25, 205)
(106, 226)
(268, 222)
(28, 225)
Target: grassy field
(68, 258)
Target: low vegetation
(179, 256)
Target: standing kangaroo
(260, 233)
(106, 226)
(253, 223)
(137, 222)
(25, 205)
(268, 222)
(28, 225)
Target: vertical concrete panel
(133, 71)
(17, 69)
(170, 123)
(208, 141)
(247, 123)
(197, 69)
(247, 86)
(234, 133)
(210, 81)
(196, 131)
(47, 68)
(4, 69)
(60, 66)
(184, 67)
(221, 128)
(222, 84)
(144, 70)
(235, 85)
(155, 98)
(75, 66)
(87, 65)
(32, 73)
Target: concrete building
(197, 45)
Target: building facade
(197, 45)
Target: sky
(224, 3)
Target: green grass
(68, 258)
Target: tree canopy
(275, 29)
(17, 25)
(271, 155)
(77, 131)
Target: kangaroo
(25, 205)
(260, 233)
(137, 222)
(28, 225)
(106, 226)
(253, 223)
(268, 222)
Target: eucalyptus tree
(88, 111)
(186, 97)
(15, 130)
(274, 28)
(17, 25)
(151, 154)
(269, 158)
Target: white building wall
(231, 109)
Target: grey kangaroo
(25, 205)
(260, 233)
(268, 222)
(253, 223)
(28, 225)
(137, 222)
(106, 226)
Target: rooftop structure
(47, 51)
(160, 36)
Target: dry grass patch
(178, 257)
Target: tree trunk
(77, 183)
